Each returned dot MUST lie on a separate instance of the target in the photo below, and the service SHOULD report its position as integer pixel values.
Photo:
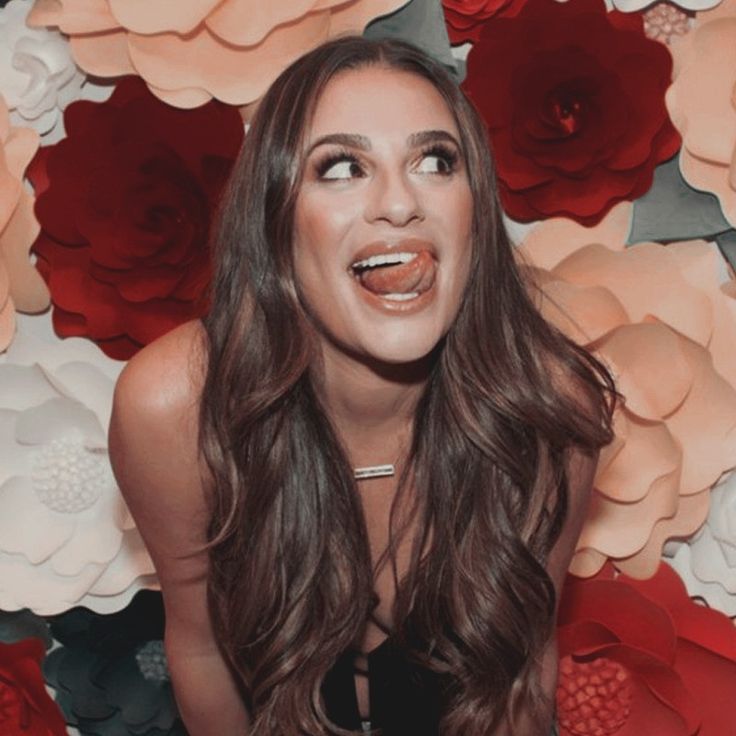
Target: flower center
(593, 698)
(67, 477)
(566, 111)
(151, 661)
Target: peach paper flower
(21, 286)
(660, 319)
(702, 104)
(192, 50)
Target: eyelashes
(447, 163)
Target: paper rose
(38, 76)
(110, 673)
(125, 203)
(191, 51)
(465, 18)
(702, 103)
(573, 98)
(25, 707)
(66, 537)
(639, 657)
(707, 562)
(21, 287)
(659, 318)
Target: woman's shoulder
(164, 379)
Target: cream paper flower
(66, 536)
(660, 319)
(702, 104)
(38, 76)
(633, 6)
(192, 50)
(707, 562)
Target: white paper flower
(38, 76)
(707, 562)
(66, 537)
(633, 6)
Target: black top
(405, 699)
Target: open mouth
(399, 276)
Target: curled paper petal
(66, 537)
(669, 344)
(702, 104)
(195, 50)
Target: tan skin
(392, 189)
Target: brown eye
(438, 160)
(340, 167)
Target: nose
(394, 199)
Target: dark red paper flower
(125, 203)
(640, 657)
(573, 97)
(465, 18)
(25, 707)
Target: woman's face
(382, 243)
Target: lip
(383, 247)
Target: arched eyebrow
(363, 143)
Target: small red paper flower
(573, 97)
(465, 18)
(125, 204)
(640, 657)
(25, 707)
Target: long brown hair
(291, 582)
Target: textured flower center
(663, 22)
(593, 698)
(152, 661)
(67, 477)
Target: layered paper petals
(702, 104)
(125, 203)
(659, 318)
(465, 18)
(641, 657)
(566, 142)
(66, 537)
(21, 287)
(193, 50)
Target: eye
(339, 166)
(438, 160)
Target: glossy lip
(382, 247)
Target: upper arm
(154, 454)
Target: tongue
(401, 278)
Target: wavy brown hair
(506, 397)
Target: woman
(386, 450)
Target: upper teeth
(384, 259)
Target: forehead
(376, 101)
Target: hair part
(291, 575)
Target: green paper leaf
(672, 210)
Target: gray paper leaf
(421, 22)
(673, 210)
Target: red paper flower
(25, 707)
(125, 203)
(640, 657)
(465, 18)
(573, 98)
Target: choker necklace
(373, 471)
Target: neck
(371, 405)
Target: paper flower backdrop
(465, 18)
(707, 562)
(20, 284)
(640, 657)
(38, 75)
(193, 50)
(573, 98)
(110, 673)
(125, 203)
(658, 317)
(702, 104)
(66, 537)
